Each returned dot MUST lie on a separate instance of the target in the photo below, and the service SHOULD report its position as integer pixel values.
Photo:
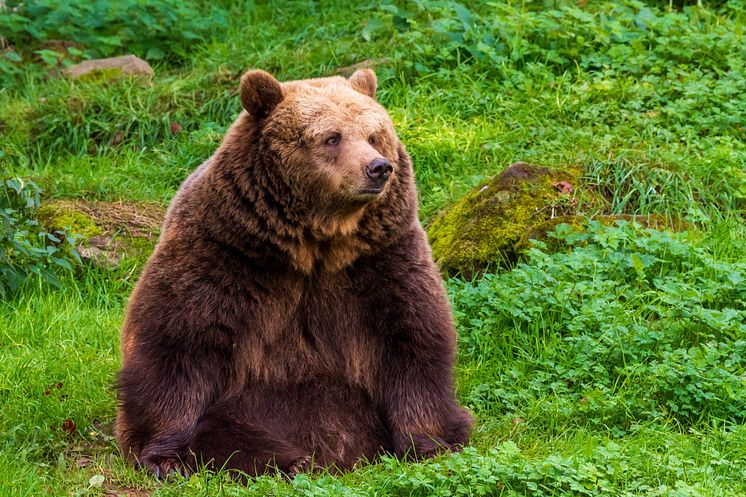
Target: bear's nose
(379, 170)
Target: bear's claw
(167, 468)
(301, 465)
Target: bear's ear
(260, 93)
(364, 81)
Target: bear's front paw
(459, 429)
(165, 467)
(422, 446)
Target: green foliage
(677, 73)
(56, 216)
(607, 469)
(153, 29)
(26, 248)
(630, 326)
(614, 368)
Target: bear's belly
(334, 422)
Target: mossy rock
(488, 226)
(113, 67)
(110, 231)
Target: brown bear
(291, 315)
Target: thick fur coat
(291, 315)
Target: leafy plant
(631, 325)
(26, 248)
(685, 66)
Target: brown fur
(287, 313)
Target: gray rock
(125, 64)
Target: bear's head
(327, 138)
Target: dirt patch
(111, 490)
(138, 219)
(94, 456)
(110, 230)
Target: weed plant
(26, 248)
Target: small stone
(96, 480)
(98, 257)
(125, 64)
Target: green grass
(615, 367)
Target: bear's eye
(372, 140)
(333, 140)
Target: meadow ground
(614, 366)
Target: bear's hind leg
(225, 443)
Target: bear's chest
(311, 326)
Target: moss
(488, 226)
(140, 248)
(63, 215)
(104, 75)
(15, 122)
